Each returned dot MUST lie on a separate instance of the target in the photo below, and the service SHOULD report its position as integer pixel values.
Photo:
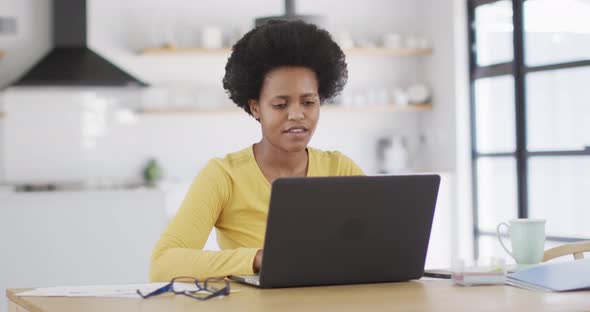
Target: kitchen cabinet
(78, 237)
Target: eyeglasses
(192, 287)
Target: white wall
(31, 41)
(134, 25)
(23, 49)
(446, 128)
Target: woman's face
(288, 108)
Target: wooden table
(423, 295)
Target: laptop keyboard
(255, 279)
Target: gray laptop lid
(348, 230)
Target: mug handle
(500, 237)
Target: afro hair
(279, 43)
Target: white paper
(111, 291)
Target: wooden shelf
(187, 51)
(385, 108)
(387, 52)
(326, 108)
(227, 51)
(189, 110)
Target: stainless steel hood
(290, 15)
(71, 62)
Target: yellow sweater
(233, 195)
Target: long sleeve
(179, 250)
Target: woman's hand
(258, 261)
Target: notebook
(563, 276)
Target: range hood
(71, 62)
(290, 15)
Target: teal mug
(528, 240)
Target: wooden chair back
(577, 249)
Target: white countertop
(81, 193)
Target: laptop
(346, 230)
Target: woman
(279, 73)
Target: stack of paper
(118, 291)
(113, 291)
(563, 276)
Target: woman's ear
(254, 108)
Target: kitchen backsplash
(85, 135)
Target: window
(529, 73)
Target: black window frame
(518, 70)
